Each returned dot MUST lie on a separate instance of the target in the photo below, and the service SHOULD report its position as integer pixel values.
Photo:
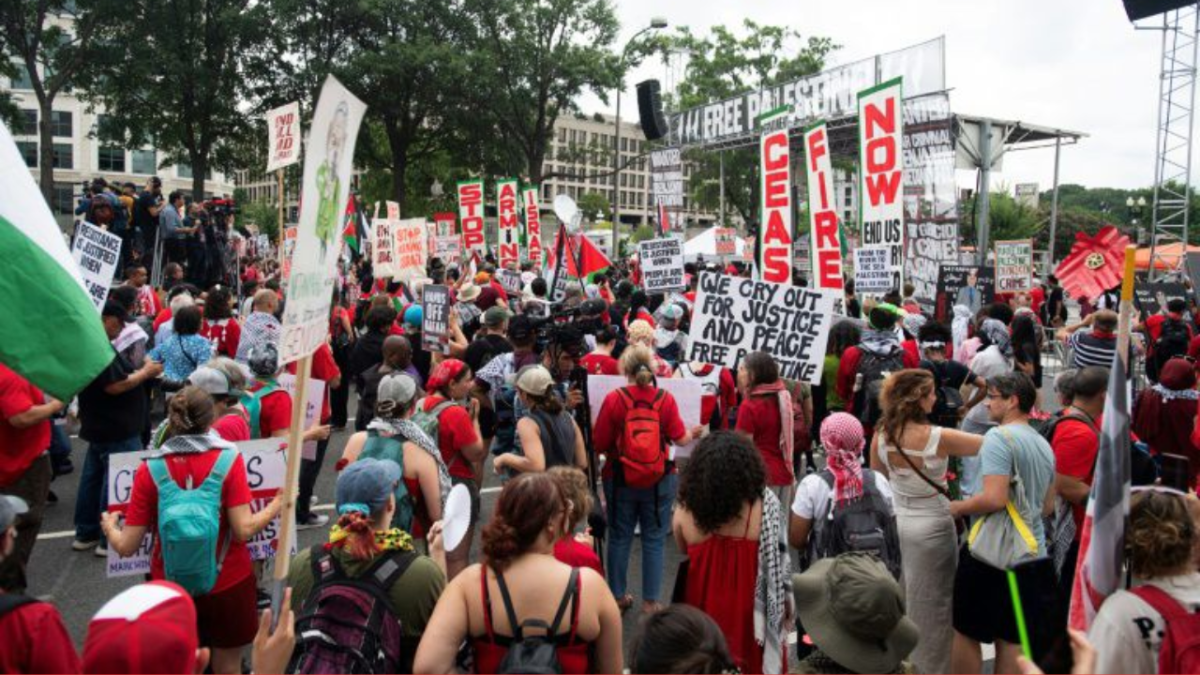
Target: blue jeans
(92, 499)
(630, 508)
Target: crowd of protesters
(834, 527)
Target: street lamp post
(656, 23)
(1135, 209)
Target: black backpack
(1172, 341)
(873, 368)
(536, 653)
(863, 525)
(347, 624)
(949, 398)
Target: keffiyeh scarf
(412, 433)
(186, 444)
(842, 436)
(997, 333)
(961, 326)
(784, 397)
(773, 587)
(261, 329)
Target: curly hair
(527, 504)
(725, 473)
(1161, 535)
(900, 399)
(574, 485)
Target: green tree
(593, 203)
(179, 85)
(52, 57)
(533, 60)
(724, 64)
(264, 215)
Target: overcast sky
(1071, 64)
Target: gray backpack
(864, 525)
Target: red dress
(722, 572)
(573, 655)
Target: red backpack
(643, 451)
(1180, 651)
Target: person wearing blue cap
(363, 546)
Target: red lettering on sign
(829, 269)
(777, 265)
(776, 249)
(775, 152)
(827, 230)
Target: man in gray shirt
(982, 606)
(172, 231)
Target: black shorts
(982, 602)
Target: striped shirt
(1091, 350)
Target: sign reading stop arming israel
(509, 248)
(826, 240)
(775, 263)
(881, 175)
(533, 224)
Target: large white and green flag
(49, 330)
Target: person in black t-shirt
(145, 219)
(491, 341)
(112, 414)
(933, 339)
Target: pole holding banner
(283, 556)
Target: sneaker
(101, 551)
(81, 545)
(314, 520)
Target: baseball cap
(534, 380)
(520, 328)
(364, 486)
(213, 381)
(496, 316)
(398, 387)
(414, 316)
(150, 628)
(10, 508)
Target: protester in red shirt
(223, 380)
(226, 614)
(766, 416)
(219, 326)
(324, 369)
(25, 470)
(629, 507)
(459, 440)
(576, 549)
(600, 361)
(148, 303)
(1076, 442)
(1153, 325)
(32, 633)
(880, 332)
(268, 406)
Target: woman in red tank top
(521, 581)
(718, 521)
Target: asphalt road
(77, 584)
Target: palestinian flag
(353, 232)
(50, 332)
(583, 259)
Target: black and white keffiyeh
(773, 588)
(415, 435)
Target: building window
(111, 159)
(184, 170)
(144, 162)
(61, 123)
(624, 144)
(64, 156)
(28, 123)
(64, 199)
(562, 135)
(29, 150)
(20, 78)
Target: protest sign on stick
(881, 175)
(873, 271)
(435, 321)
(775, 169)
(96, 252)
(283, 136)
(508, 249)
(447, 224)
(383, 253)
(449, 249)
(968, 285)
(822, 210)
(470, 216)
(726, 241)
(510, 281)
(1014, 265)
(661, 261)
(410, 242)
(533, 224)
(734, 316)
(326, 186)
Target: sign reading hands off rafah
(734, 316)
